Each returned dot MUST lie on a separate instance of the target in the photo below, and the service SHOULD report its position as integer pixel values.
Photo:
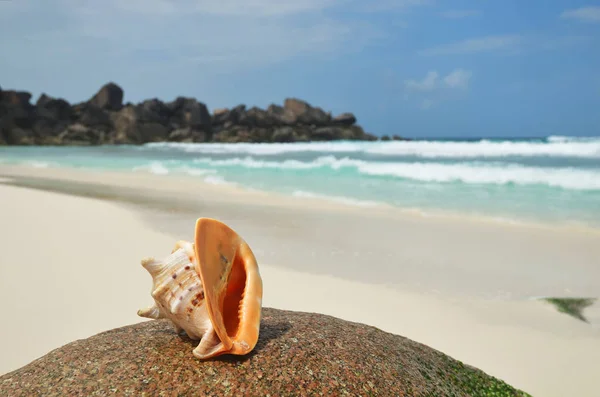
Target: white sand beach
(71, 250)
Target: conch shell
(211, 289)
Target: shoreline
(491, 335)
(452, 257)
(71, 174)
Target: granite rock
(297, 354)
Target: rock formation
(297, 354)
(104, 119)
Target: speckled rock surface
(297, 354)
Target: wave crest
(554, 147)
(464, 172)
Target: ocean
(551, 180)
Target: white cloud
(428, 83)
(433, 89)
(459, 14)
(458, 78)
(586, 14)
(481, 44)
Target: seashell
(210, 289)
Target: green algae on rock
(297, 354)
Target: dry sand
(69, 268)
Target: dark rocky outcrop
(345, 119)
(297, 354)
(104, 119)
(393, 138)
(110, 97)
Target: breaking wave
(555, 146)
(467, 172)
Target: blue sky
(413, 67)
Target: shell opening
(234, 296)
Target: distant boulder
(188, 112)
(153, 110)
(18, 99)
(80, 135)
(53, 108)
(130, 127)
(256, 117)
(285, 134)
(92, 116)
(345, 119)
(228, 116)
(302, 112)
(17, 117)
(110, 97)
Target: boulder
(109, 97)
(17, 117)
(261, 134)
(187, 135)
(296, 354)
(284, 134)
(126, 126)
(256, 117)
(52, 116)
(81, 135)
(152, 132)
(303, 113)
(280, 115)
(188, 112)
(130, 128)
(369, 137)
(16, 110)
(326, 134)
(18, 136)
(153, 110)
(344, 119)
(53, 108)
(16, 98)
(181, 135)
(93, 116)
(232, 116)
(355, 132)
(241, 133)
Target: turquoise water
(554, 179)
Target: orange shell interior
(232, 285)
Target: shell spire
(153, 266)
(211, 289)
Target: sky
(417, 68)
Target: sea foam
(554, 146)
